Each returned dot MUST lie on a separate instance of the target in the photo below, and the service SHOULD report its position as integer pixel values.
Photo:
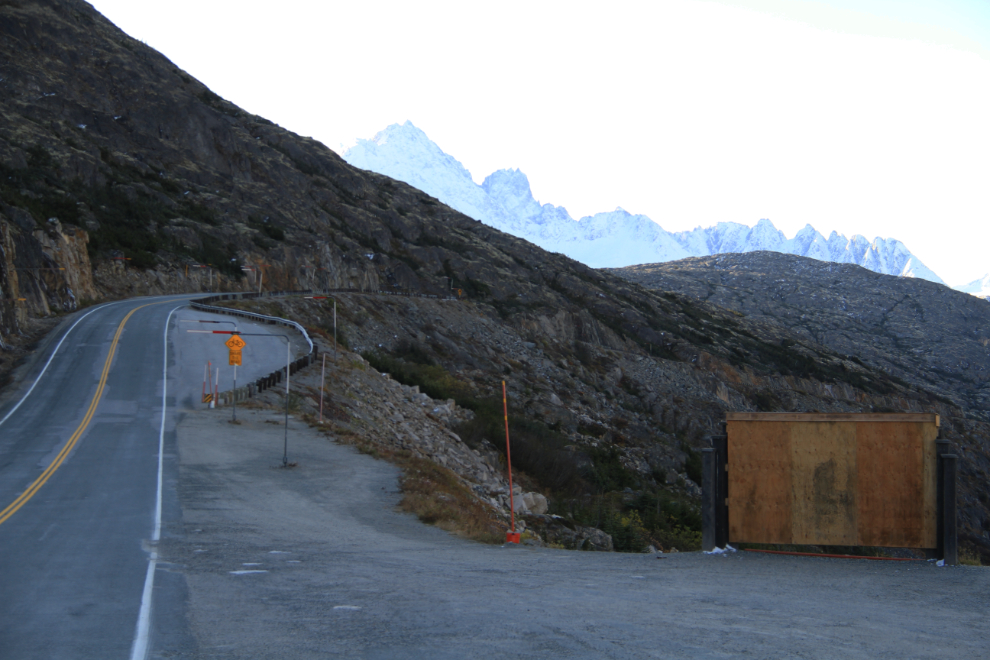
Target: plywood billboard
(832, 479)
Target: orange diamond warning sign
(235, 343)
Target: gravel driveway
(315, 562)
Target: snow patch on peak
(979, 288)
(510, 189)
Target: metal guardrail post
(950, 538)
(708, 482)
(941, 447)
(720, 443)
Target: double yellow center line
(54, 465)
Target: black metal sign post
(708, 457)
(288, 368)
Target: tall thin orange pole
(508, 459)
(323, 384)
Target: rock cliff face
(614, 386)
(43, 270)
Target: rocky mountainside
(922, 333)
(605, 240)
(135, 179)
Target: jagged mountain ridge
(605, 240)
(137, 159)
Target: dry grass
(435, 494)
(969, 558)
(437, 497)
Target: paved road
(79, 476)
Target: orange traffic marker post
(207, 396)
(511, 536)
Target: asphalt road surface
(256, 561)
(79, 475)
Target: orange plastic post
(511, 537)
(323, 385)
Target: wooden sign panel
(843, 479)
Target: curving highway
(87, 475)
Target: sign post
(288, 368)
(235, 344)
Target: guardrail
(274, 378)
(203, 304)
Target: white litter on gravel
(346, 607)
(720, 551)
(940, 562)
(246, 572)
(253, 563)
(278, 552)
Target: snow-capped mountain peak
(979, 288)
(613, 239)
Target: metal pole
(335, 330)
(708, 458)
(720, 444)
(941, 449)
(950, 523)
(234, 393)
(508, 459)
(288, 359)
(323, 384)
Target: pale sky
(862, 116)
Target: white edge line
(52, 357)
(139, 649)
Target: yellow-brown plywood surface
(929, 433)
(823, 483)
(832, 479)
(760, 483)
(890, 484)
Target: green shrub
(607, 473)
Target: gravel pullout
(315, 561)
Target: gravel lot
(316, 562)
